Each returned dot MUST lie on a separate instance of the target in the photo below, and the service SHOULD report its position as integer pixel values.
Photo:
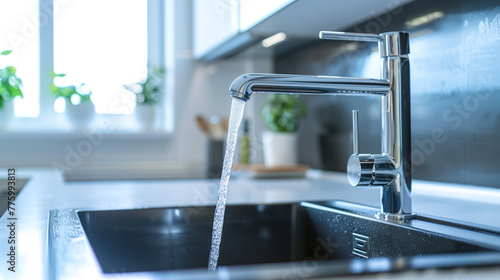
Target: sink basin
(175, 238)
(337, 237)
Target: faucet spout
(245, 85)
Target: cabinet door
(215, 21)
(255, 11)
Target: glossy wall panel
(455, 88)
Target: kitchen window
(104, 44)
(18, 26)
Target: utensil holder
(215, 158)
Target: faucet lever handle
(389, 43)
(355, 131)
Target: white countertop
(47, 191)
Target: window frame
(50, 123)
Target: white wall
(198, 88)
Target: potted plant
(10, 87)
(281, 114)
(147, 95)
(79, 107)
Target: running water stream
(237, 108)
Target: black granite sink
(343, 235)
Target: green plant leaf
(15, 91)
(149, 90)
(68, 91)
(10, 83)
(53, 74)
(12, 70)
(282, 112)
(6, 52)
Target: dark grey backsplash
(455, 88)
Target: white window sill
(74, 135)
(112, 126)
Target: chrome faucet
(391, 169)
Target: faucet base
(394, 217)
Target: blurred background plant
(10, 83)
(72, 94)
(282, 112)
(149, 90)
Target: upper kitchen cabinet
(215, 21)
(225, 27)
(220, 25)
(253, 12)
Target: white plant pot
(6, 114)
(146, 116)
(280, 148)
(81, 115)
